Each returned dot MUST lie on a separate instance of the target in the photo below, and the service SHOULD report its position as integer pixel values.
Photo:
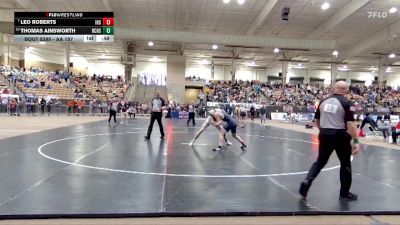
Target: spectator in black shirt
(42, 105)
(252, 112)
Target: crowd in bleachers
(64, 85)
(37, 90)
(296, 94)
(383, 103)
(194, 78)
(102, 87)
(38, 81)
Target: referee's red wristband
(356, 141)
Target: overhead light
(154, 59)
(250, 64)
(325, 6)
(203, 62)
(389, 70)
(151, 44)
(226, 1)
(299, 66)
(241, 2)
(215, 47)
(42, 42)
(335, 53)
(343, 68)
(393, 10)
(276, 50)
(392, 55)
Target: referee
(335, 120)
(191, 114)
(156, 114)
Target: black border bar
(43, 15)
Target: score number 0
(108, 21)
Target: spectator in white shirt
(201, 97)
(132, 111)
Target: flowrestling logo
(377, 14)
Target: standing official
(156, 114)
(191, 114)
(335, 120)
(113, 110)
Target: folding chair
(373, 134)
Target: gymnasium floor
(99, 170)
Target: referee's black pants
(338, 140)
(191, 117)
(112, 114)
(155, 116)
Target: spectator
(49, 103)
(42, 105)
(132, 111)
(263, 114)
(70, 106)
(13, 106)
(384, 126)
(252, 112)
(91, 105)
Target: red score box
(108, 21)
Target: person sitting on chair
(384, 126)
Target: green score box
(108, 30)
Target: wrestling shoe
(191, 143)
(304, 186)
(349, 197)
(243, 147)
(219, 148)
(229, 143)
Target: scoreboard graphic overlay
(64, 26)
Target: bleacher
(111, 89)
(145, 93)
(104, 91)
(62, 91)
(94, 90)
